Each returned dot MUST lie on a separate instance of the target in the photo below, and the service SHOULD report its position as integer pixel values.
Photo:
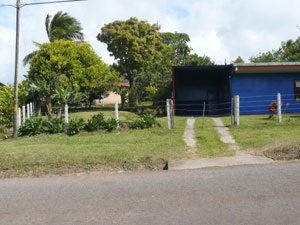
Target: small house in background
(215, 86)
(112, 97)
(1, 84)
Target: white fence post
(66, 113)
(117, 112)
(168, 113)
(279, 107)
(28, 111)
(66, 117)
(237, 110)
(30, 108)
(19, 117)
(24, 113)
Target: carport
(194, 86)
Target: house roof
(1, 84)
(282, 67)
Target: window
(297, 89)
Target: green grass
(257, 131)
(208, 140)
(59, 154)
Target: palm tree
(64, 96)
(61, 27)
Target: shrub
(32, 126)
(111, 125)
(75, 126)
(95, 122)
(55, 126)
(146, 121)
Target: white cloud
(217, 28)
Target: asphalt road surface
(257, 194)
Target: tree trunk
(59, 113)
(39, 112)
(49, 107)
(131, 94)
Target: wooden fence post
(279, 107)
(237, 110)
(231, 114)
(117, 112)
(172, 113)
(203, 114)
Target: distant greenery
(288, 52)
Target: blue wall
(257, 91)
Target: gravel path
(189, 135)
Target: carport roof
(214, 68)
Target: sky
(220, 29)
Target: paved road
(258, 194)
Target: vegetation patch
(285, 151)
(57, 154)
(208, 140)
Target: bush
(95, 122)
(111, 125)
(75, 126)
(147, 121)
(55, 126)
(32, 126)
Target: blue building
(215, 86)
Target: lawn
(98, 151)
(208, 140)
(257, 131)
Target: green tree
(6, 105)
(288, 52)
(180, 48)
(196, 60)
(238, 60)
(61, 27)
(79, 65)
(136, 45)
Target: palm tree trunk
(59, 113)
(49, 107)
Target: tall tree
(180, 48)
(136, 45)
(61, 27)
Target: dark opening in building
(194, 86)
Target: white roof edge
(269, 64)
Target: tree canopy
(61, 27)
(77, 62)
(288, 52)
(136, 45)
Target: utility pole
(15, 128)
(18, 6)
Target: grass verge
(101, 151)
(260, 136)
(208, 140)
